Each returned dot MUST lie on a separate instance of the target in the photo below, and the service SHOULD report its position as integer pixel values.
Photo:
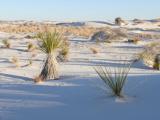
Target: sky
(78, 10)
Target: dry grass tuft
(6, 43)
(15, 61)
(94, 50)
(150, 54)
(30, 47)
(30, 62)
(64, 52)
(36, 28)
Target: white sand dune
(79, 94)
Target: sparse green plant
(30, 47)
(116, 78)
(6, 43)
(50, 42)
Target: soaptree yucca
(114, 78)
(50, 42)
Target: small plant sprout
(6, 43)
(114, 78)
(15, 61)
(30, 47)
(30, 62)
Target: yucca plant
(50, 42)
(116, 78)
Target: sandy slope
(79, 94)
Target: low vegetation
(150, 55)
(15, 61)
(35, 28)
(30, 47)
(114, 79)
(50, 42)
(109, 35)
(6, 43)
(63, 55)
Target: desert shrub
(109, 35)
(50, 42)
(100, 36)
(150, 54)
(6, 43)
(117, 34)
(63, 55)
(146, 35)
(114, 79)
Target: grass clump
(30, 47)
(150, 55)
(6, 43)
(50, 42)
(15, 61)
(64, 52)
(114, 79)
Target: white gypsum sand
(79, 94)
